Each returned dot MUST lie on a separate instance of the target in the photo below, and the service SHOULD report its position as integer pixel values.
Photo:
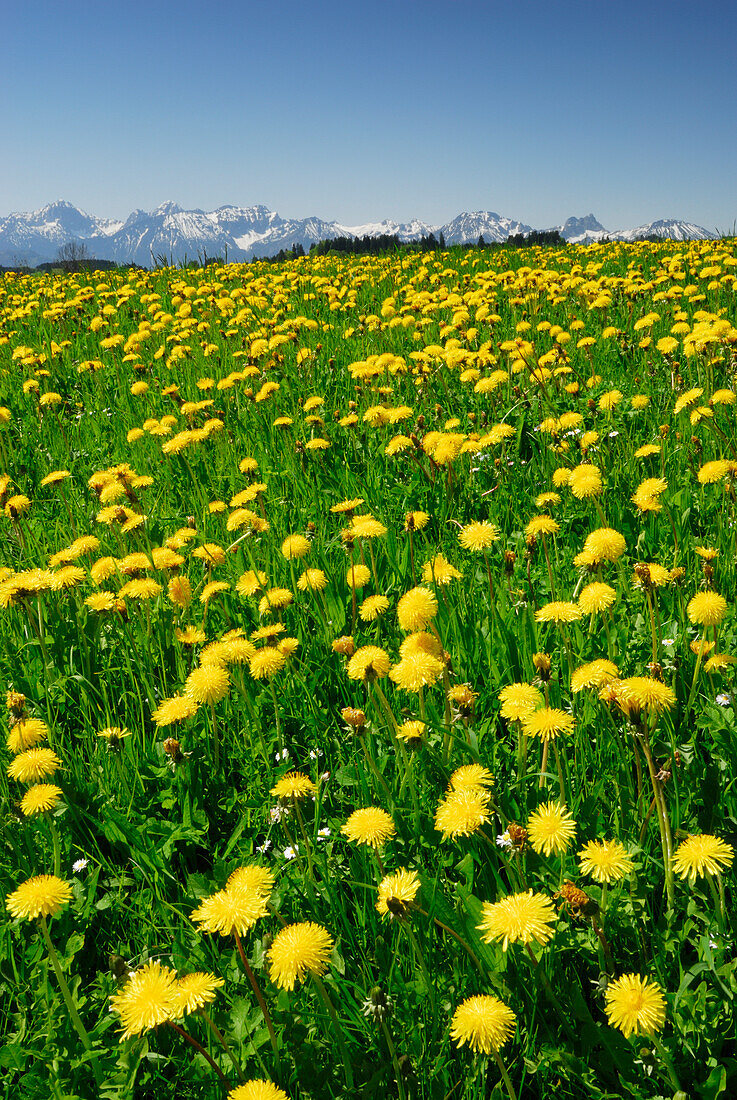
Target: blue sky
(360, 111)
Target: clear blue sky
(384, 108)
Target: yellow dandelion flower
(230, 911)
(711, 472)
(439, 571)
(541, 525)
(647, 694)
(293, 785)
(295, 546)
(26, 734)
(250, 582)
(208, 684)
(604, 860)
(397, 892)
(368, 663)
(687, 399)
(478, 536)
(371, 826)
(366, 527)
(558, 611)
(585, 482)
(297, 950)
(411, 732)
(146, 1000)
(194, 991)
(41, 896)
(702, 855)
(312, 580)
(274, 599)
(417, 670)
(484, 1022)
(358, 576)
(525, 917)
(212, 589)
(40, 798)
(33, 764)
(372, 608)
(635, 1005)
(647, 450)
(416, 609)
(252, 877)
(265, 663)
(547, 723)
(594, 674)
(470, 777)
(176, 709)
(551, 828)
(707, 609)
(462, 813)
(257, 1088)
(519, 700)
(596, 597)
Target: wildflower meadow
(367, 654)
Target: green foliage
(464, 354)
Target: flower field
(368, 654)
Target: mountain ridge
(173, 233)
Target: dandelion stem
(68, 999)
(665, 833)
(667, 1062)
(215, 738)
(277, 721)
(303, 831)
(200, 1050)
(420, 961)
(395, 1060)
(466, 947)
(319, 985)
(259, 997)
(505, 1076)
(221, 1039)
(550, 992)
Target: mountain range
(172, 234)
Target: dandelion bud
(543, 665)
(642, 572)
(378, 1006)
(173, 750)
(345, 646)
(518, 835)
(15, 701)
(354, 719)
(509, 559)
(664, 429)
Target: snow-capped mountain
(667, 228)
(172, 234)
(582, 230)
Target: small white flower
(314, 755)
(276, 813)
(724, 700)
(613, 435)
(263, 848)
(504, 840)
(323, 832)
(290, 853)
(283, 755)
(79, 865)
